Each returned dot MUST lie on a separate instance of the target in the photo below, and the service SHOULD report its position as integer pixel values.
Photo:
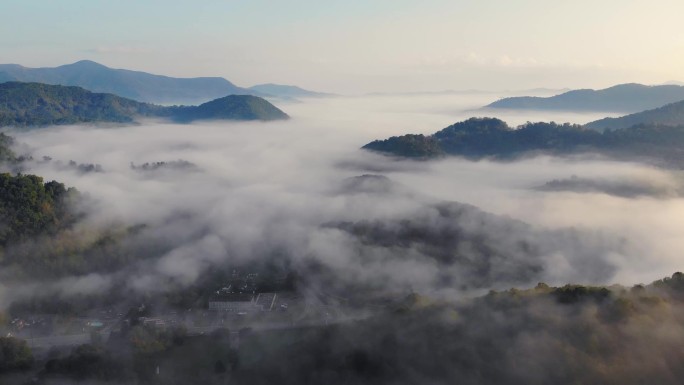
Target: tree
(14, 354)
(219, 367)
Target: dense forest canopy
(563, 335)
(36, 104)
(478, 138)
(30, 207)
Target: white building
(243, 302)
(233, 303)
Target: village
(236, 305)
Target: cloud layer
(261, 191)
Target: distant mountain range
(533, 91)
(142, 86)
(669, 115)
(621, 98)
(136, 85)
(36, 104)
(478, 138)
(286, 92)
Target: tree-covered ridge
(569, 334)
(410, 145)
(232, 107)
(39, 236)
(478, 138)
(30, 207)
(6, 152)
(669, 115)
(40, 232)
(36, 104)
(617, 187)
(483, 137)
(36, 231)
(15, 354)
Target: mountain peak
(86, 64)
(626, 86)
(11, 66)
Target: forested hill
(38, 228)
(231, 107)
(6, 152)
(36, 104)
(627, 98)
(669, 115)
(478, 138)
(30, 207)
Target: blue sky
(359, 46)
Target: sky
(358, 46)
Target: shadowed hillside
(620, 98)
(134, 85)
(478, 138)
(669, 115)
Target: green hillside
(478, 138)
(231, 107)
(36, 104)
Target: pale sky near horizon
(357, 46)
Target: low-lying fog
(263, 188)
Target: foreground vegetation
(562, 335)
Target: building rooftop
(232, 297)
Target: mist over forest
(282, 181)
(347, 192)
(159, 216)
